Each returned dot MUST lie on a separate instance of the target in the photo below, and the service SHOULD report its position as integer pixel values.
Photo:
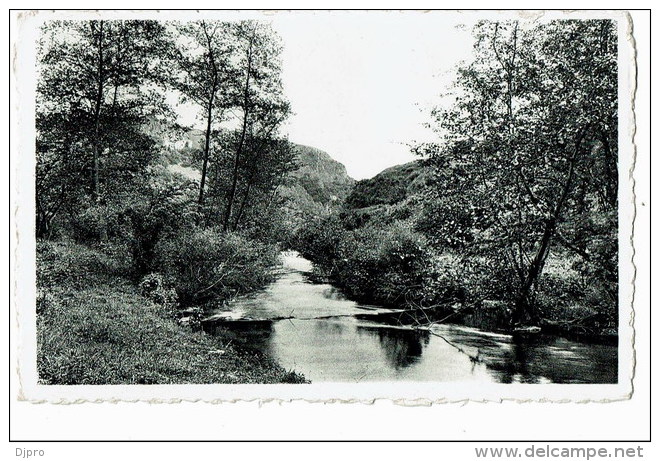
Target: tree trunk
(96, 149)
(207, 145)
(234, 182)
(103, 231)
(239, 151)
(524, 308)
(209, 113)
(42, 227)
(242, 206)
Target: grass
(93, 327)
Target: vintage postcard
(324, 205)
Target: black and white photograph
(325, 204)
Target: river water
(312, 329)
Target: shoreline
(94, 327)
(486, 319)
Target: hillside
(319, 183)
(388, 187)
(320, 178)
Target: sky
(361, 84)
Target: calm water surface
(325, 342)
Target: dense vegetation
(94, 326)
(320, 184)
(106, 190)
(509, 220)
(512, 214)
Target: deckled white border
(23, 56)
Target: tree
(204, 75)
(232, 72)
(534, 118)
(260, 104)
(95, 91)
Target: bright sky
(361, 84)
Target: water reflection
(402, 347)
(541, 358)
(329, 328)
(345, 349)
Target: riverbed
(313, 329)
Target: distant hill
(319, 183)
(323, 178)
(388, 187)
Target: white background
(383, 420)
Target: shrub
(208, 264)
(164, 206)
(101, 222)
(320, 241)
(154, 287)
(92, 224)
(384, 264)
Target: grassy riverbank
(94, 327)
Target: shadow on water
(249, 335)
(327, 342)
(402, 347)
(542, 358)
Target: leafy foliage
(122, 217)
(522, 181)
(95, 90)
(208, 264)
(529, 149)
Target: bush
(387, 265)
(94, 223)
(208, 264)
(320, 241)
(381, 262)
(157, 289)
(165, 205)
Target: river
(311, 328)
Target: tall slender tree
(204, 75)
(95, 91)
(260, 103)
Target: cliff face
(321, 177)
(320, 181)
